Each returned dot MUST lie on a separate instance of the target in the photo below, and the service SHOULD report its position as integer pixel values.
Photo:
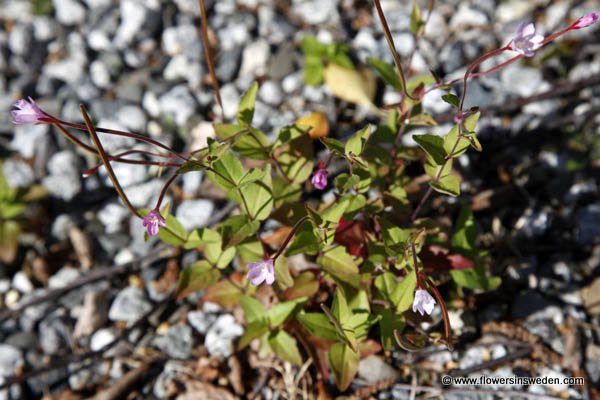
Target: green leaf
(387, 72)
(344, 363)
(388, 322)
(259, 197)
(356, 144)
(228, 172)
(249, 142)
(237, 228)
(253, 175)
(254, 330)
(339, 264)
(333, 145)
(386, 284)
(288, 134)
(190, 166)
(304, 241)
(295, 159)
(202, 237)
(394, 237)
(246, 108)
(422, 119)
(339, 307)
(343, 333)
(305, 285)
(313, 71)
(224, 293)
(253, 309)
(318, 325)
(432, 168)
(451, 99)
(417, 25)
(334, 212)
(433, 145)
(285, 347)
(310, 45)
(464, 232)
(283, 276)
(196, 277)
(9, 240)
(404, 293)
(471, 121)
(280, 312)
(474, 278)
(449, 184)
(450, 140)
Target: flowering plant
(367, 245)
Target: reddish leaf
(351, 235)
(458, 261)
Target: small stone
(27, 139)
(194, 213)
(99, 74)
(93, 315)
(133, 16)
(254, 58)
(129, 305)
(282, 62)
(292, 82)
(527, 303)
(228, 64)
(201, 320)
(270, 92)
(63, 277)
(101, 338)
(178, 342)
(374, 368)
(22, 283)
(112, 216)
(53, 333)
(317, 12)
(219, 338)
(11, 360)
(179, 102)
(524, 81)
(61, 226)
(182, 39)
(230, 98)
(468, 16)
(587, 226)
(69, 12)
(132, 117)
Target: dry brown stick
(522, 352)
(127, 384)
(208, 53)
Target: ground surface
(84, 277)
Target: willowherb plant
(369, 245)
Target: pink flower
(261, 271)
(526, 41)
(28, 112)
(584, 21)
(153, 222)
(423, 302)
(319, 178)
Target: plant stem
(164, 190)
(132, 135)
(289, 237)
(392, 46)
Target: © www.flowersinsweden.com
(423, 302)
(260, 271)
(28, 112)
(526, 41)
(153, 222)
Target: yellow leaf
(352, 85)
(318, 123)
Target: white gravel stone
(219, 338)
(254, 58)
(69, 12)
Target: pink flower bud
(584, 21)
(28, 112)
(153, 222)
(319, 178)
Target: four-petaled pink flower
(526, 41)
(153, 222)
(28, 112)
(319, 178)
(584, 21)
(261, 271)
(423, 302)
